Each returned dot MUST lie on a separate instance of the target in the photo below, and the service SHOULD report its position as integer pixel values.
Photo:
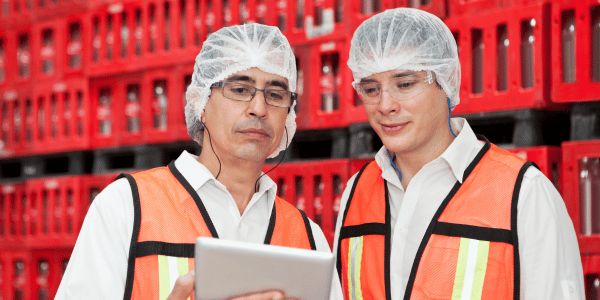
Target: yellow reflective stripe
(183, 267)
(357, 264)
(470, 269)
(355, 248)
(349, 267)
(480, 268)
(461, 266)
(164, 284)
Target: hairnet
(406, 39)
(233, 49)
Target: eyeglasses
(243, 92)
(400, 88)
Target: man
(441, 213)
(139, 234)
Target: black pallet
(140, 157)
(585, 121)
(522, 128)
(22, 168)
(316, 144)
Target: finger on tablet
(183, 288)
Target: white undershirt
(97, 268)
(549, 252)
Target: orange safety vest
(470, 246)
(168, 218)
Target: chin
(252, 153)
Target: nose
(387, 103)
(258, 105)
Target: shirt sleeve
(548, 248)
(97, 268)
(323, 246)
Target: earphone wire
(213, 149)
(280, 160)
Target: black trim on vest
(122, 175)
(513, 227)
(161, 248)
(362, 229)
(478, 157)
(188, 187)
(137, 222)
(473, 232)
(434, 220)
(271, 227)
(311, 238)
(388, 244)
(339, 244)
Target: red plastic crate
(48, 49)
(581, 191)
(118, 117)
(505, 59)
(11, 213)
(15, 122)
(16, 283)
(23, 46)
(32, 274)
(327, 104)
(548, 158)
(315, 187)
(76, 42)
(61, 122)
(119, 37)
(575, 50)
(165, 122)
(47, 268)
(56, 207)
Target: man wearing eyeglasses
(137, 240)
(442, 213)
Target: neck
(410, 162)
(237, 175)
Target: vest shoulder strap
(137, 220)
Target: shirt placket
(399, 238)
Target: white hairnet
(233, 49)
(406, 39)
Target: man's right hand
(269, 295)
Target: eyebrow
(248, 79)
(397, 75)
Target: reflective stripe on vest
(168, 218)
(469, 251)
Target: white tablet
(227, 268)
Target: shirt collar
(456, 155)
(197, 175)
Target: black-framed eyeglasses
(243, 92)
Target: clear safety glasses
(402, 86)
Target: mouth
(393, 127)
(255, 133)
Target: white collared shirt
(549, 252)
(97, 268)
